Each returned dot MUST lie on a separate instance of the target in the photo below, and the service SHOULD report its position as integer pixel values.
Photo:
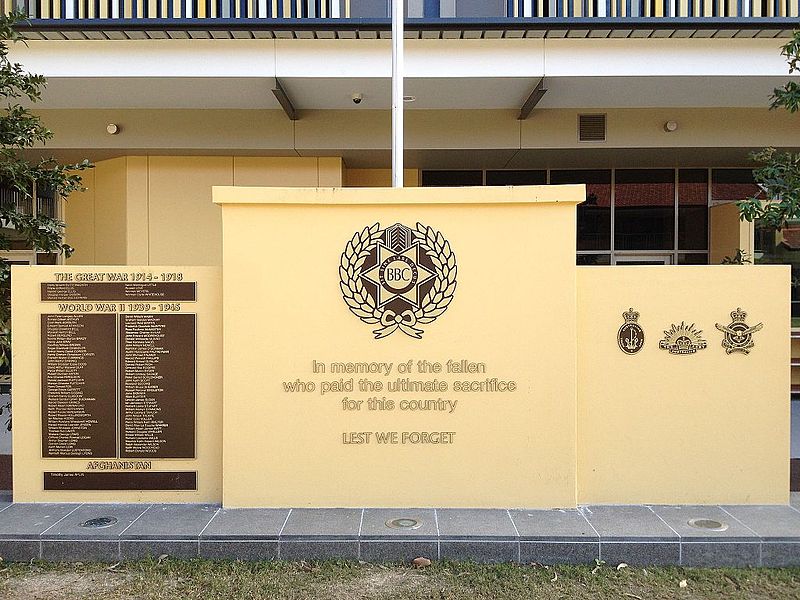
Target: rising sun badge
(398, 277)
(682, 339)
(738, 335)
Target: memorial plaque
(135, 291)
(78, 365)
(130, 407)
(157, 385)
(121, 480)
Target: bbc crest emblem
(398, 277)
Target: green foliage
(21, 131)
(741, 257)
(778, 173)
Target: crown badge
(630, 336)
(398, 277)
(682, 339)
(738, 335)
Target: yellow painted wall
(79, 216)
(184, 225)
(283, 309)
(704, 428)
(158, 209)
(96, 219)
(110, 234)
(729, 232)
(380, 177)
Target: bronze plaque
(157, 385)
(173, 291)
(79, 403)
(121, 480)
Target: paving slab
(773, 522)
(148, 548)
(20, 550)
(25, 521)
(721, 554)
(323, 523)
(110, 521)
(628, 524)
(398, 550)
(780, 554)
(475, 524)
(171, 522)
(641, 554)
(319, 549)
(561, 525)
(246, 523)
(680, 517)
(375, 524)
(240, 549)
(482, 551)
(559, 553)
(83, 550)
(794, 499)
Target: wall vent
(591, 128)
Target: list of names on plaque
(79, 407)
(157, 385)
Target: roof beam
(536, 95)
(285, 102)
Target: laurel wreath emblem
(363, 305)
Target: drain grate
(99, 522)
(708, 524)
(404, 523)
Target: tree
(21, 132)
(779, 172)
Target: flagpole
(397, 93)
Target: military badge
(738, 335)
(682, 339)
(398, 277)
(630, 336)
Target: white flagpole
(397, 93)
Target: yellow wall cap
(572, 194)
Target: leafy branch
(778, 175)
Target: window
(631, 216)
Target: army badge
(398, 277)
(630, 336)
(682, 339)
(738, 335)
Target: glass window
(451, 178)
(594, 214)
(644, 213)
(693, 258)
(593, 259)
(516, 177)
(732, 185)
(692, 209)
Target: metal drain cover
(709, 524)
(404, 523)
(99, 522)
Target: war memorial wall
(401, 347)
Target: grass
(206, 580)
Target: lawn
(184, 580)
